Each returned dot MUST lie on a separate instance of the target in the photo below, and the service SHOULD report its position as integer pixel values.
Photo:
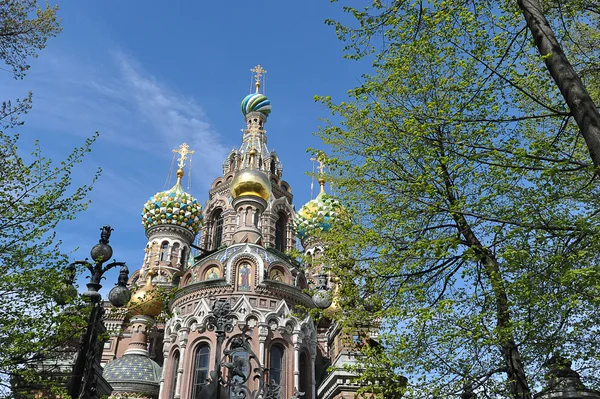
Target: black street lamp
(82, 384)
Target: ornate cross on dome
(320, 179)
(258, 71)
(183, 152)
(321, 166)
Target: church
(237, 324)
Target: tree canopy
(35, 195)
(474, 199)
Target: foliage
(21, 35)
(474, 201)
(41, 315)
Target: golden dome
(335, 307)
(251, 182)
(146, 301)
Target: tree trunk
(515, 370)
(569, 83)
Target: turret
(171, 218)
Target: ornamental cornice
(285, 291)
(201, 289)
(280, 192)
(336, 382)
(278, 319)
(171, 230)
(222, 190)
(278, 291)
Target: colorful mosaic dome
(319, 214)
(256, 102)
(132, 370)
(175, 207)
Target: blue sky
(150, 75)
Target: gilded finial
(252, 154)
(258, 71)
(183, 152)
(321, 179)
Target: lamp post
(82, 384)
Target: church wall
(195, 338)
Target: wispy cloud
(175, 117)
(130, 108)
(140, 119)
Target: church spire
(256, 107)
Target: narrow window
(174, 254)
(276, 364)
(305, 385)
(164, 251)
(184, 257)
(200, 370)
(174, 375)
(218, 229)
(280, 233)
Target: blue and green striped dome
(256, 102)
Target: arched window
(273, 169)
(201, 360)
(218, 228)
(305, 377)
(174, 374)
(184, 257)
(174, 254)
(164, 251)
(280, 233)
(276, 367)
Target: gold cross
(258, 71)
(183, 151)
(321, 166)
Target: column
(313, 355)
(263, 333)
(297, 341)
(183, 337)
(166, 348)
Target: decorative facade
(245, 229)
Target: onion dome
(319, 214)
(146, 301)
(133, 371)
(256, 102)
(251, 182)
(174, 207)
(334, 298)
